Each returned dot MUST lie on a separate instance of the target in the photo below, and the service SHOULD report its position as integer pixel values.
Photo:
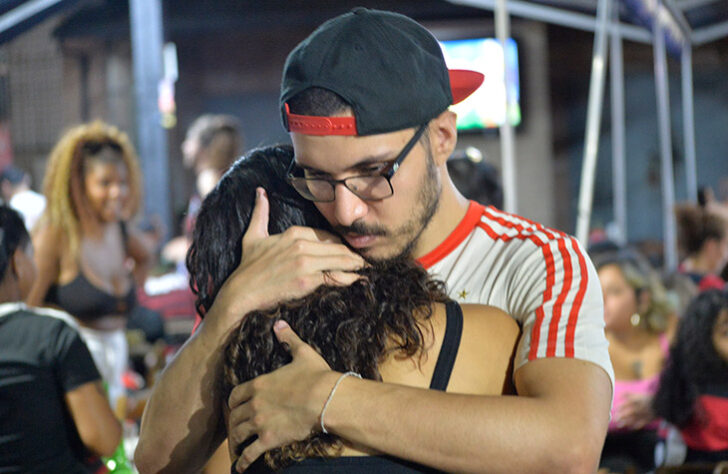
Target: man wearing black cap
(365, 99)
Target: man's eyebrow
(363, 163)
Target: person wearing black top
(53, 411)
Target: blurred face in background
(106, 184)
(620, 299)
(720, 335)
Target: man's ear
(443, 136)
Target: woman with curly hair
(639, 323)
(693, 393)
(395, 324)
(85, 253)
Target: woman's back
(396, 326)
(455, 364)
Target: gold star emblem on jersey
(463, 294)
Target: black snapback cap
(388, 67)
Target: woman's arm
(182, 423)
(97, 426)
(47, 244)
(140, 252)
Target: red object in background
(6, 145)
(174, 304)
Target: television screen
(486, 107)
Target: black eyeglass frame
(386, 172)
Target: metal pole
(507, 145)
(146, 36)
(558, 16)
(619, 176)
(663, 117)
(710, 33)
(691, 175)
(593, 121)
(23, 12)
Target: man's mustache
(360, 229)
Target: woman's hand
(282, 406)
(635, 412)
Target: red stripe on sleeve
(550, 273)
(576, 306)
(540, 314)
(556, 311)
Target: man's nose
(348, 207)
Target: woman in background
(703, 237)
(87, 256)
(638, 323)
(693, 393)
(53, 411)
(212, 143)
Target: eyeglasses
(371, 187)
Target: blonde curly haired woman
(86, 256)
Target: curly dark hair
(693, 362)
(353, 328)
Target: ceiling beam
(24, 12)
(562, 17)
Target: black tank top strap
(450, 346)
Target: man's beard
(428, 195)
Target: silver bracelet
(331, 395)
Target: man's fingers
(258, 226)
(249, 455)
(240, 415)
(240, 394)
(312, 264)
(339, 278)
(287, 336)
(309, 233)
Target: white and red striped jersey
(541, 277)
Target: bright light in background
(486, 108)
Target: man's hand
(283, 266)
(182, 426)
(282, 406)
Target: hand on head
(282, 406)
(278, 267)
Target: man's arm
(182, 423)
(557, 424)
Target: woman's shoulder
(47, 233)
(489, 318)
(485, 356)
(494, 329)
